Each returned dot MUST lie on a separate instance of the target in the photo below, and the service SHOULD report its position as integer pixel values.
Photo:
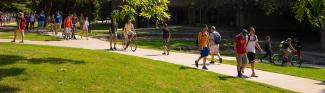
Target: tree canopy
(155, 10)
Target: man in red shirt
(240, 52)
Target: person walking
(67, 27)
(58, 22)
(21, 24)
(41, 22)
(203, 41)
(268, 49)
(166, 38)
(28, 20)
(32, 20)
(240, 52)
(74, 26)
(113, 34)
(214, 41)
(252, 43)
(85, 27)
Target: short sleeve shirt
(203, 39)
(240, 42)
(252, 40)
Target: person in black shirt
(268, 49)
(113, 34)
(166, 39)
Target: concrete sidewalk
(280, 80)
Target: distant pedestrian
(67, 27)
(41, 22)
(58, 22)
(21, 25)
(214, 41)
(166, 38)
(113, 34)
(268, 49)
(74, 26)
(85, 28)
(32, 20)
(240, 52)
(28, 20)
(252, 43)
(202, 41)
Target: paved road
(280, 80)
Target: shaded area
(225, 77)
(10, 72)
(185, 68)
(11, 59)
(8, 89)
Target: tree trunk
(322, 40)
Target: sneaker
(212, 62)
(21, 42)
(196, 64)
(163, 53)
(114, 48)
(205, 68)
(220, 60)
(254, 75)
(111, 48)
(13, 41)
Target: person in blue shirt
(41, 21)
(58, 22)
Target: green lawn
(305, 72)
(71, 70)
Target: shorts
(241, 59)
(165, 41)
(67, 30)
(40, 23)
(113, 35)
(251, 57)
(214, 49)
(204, 52)
(130, 33)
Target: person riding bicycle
(128, 32)
(287, 49)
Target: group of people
(208, 42)
(244, 47)
(26, 22)
(5, 18)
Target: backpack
(217, 38)
(284, 44)
(249, 37)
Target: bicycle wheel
(133, 44)
(276, 59)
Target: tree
(312, 11)
(155, 10)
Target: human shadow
(153, 55)
(322, 83)
(225, 77)
(186, 68)
(8, 89)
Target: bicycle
(132, 43)
(292, 58)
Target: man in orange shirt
(67, 27)
(203, 46)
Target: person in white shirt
(252, 43)
(214, 41)
(85, 28)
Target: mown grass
(70, 70)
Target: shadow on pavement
(153, 55)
